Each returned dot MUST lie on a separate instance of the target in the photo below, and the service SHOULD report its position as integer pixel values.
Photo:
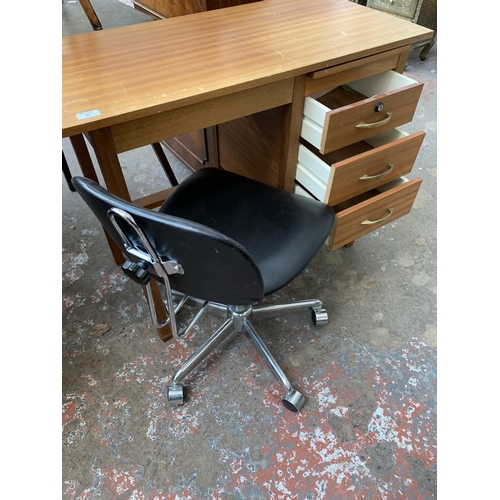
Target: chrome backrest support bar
(162, 269)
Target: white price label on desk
(88, 114)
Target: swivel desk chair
(225, 242)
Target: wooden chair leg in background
(162, 158)
(67, 173)
(91, 15)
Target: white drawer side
(311, 132)
(314, 185)
(315, 111)
(314, 164)
(381, 83)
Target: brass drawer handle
(376, 124)
(383, 174)
(370, 222)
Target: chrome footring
(175, 395)
(293, 401)
(319, 317)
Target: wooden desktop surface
(140, 84)
(143, 70)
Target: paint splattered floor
(368, 428)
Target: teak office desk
(246, 69)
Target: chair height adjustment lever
(136, 271)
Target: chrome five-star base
(238, 320)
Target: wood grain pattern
(154, 128)
(348, 225)
(337, 75)
(146, 82)
(91, 15)
(291, 132)
(264, 146)
(162, 9)
(170, 8)
(222, 4)
(340, 124)
(250, 146)
(344, 181)
(154, 200)
(102, 143)
(191, 149)
(83, 157)
(122, 72)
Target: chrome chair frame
(237, 318)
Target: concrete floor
(368, 428)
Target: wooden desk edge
(90, 124)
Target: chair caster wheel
(319, 317)
(175, 395)
(293, 401)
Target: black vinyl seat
(221, 241)
(281, 231)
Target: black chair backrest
(216, 268)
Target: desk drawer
(363, 108)
(371, 210)
(352, 170)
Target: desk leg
(291, 136)
(67, 173)
(87, 168)
(83, 156)
(105, 151)
(91, 15)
